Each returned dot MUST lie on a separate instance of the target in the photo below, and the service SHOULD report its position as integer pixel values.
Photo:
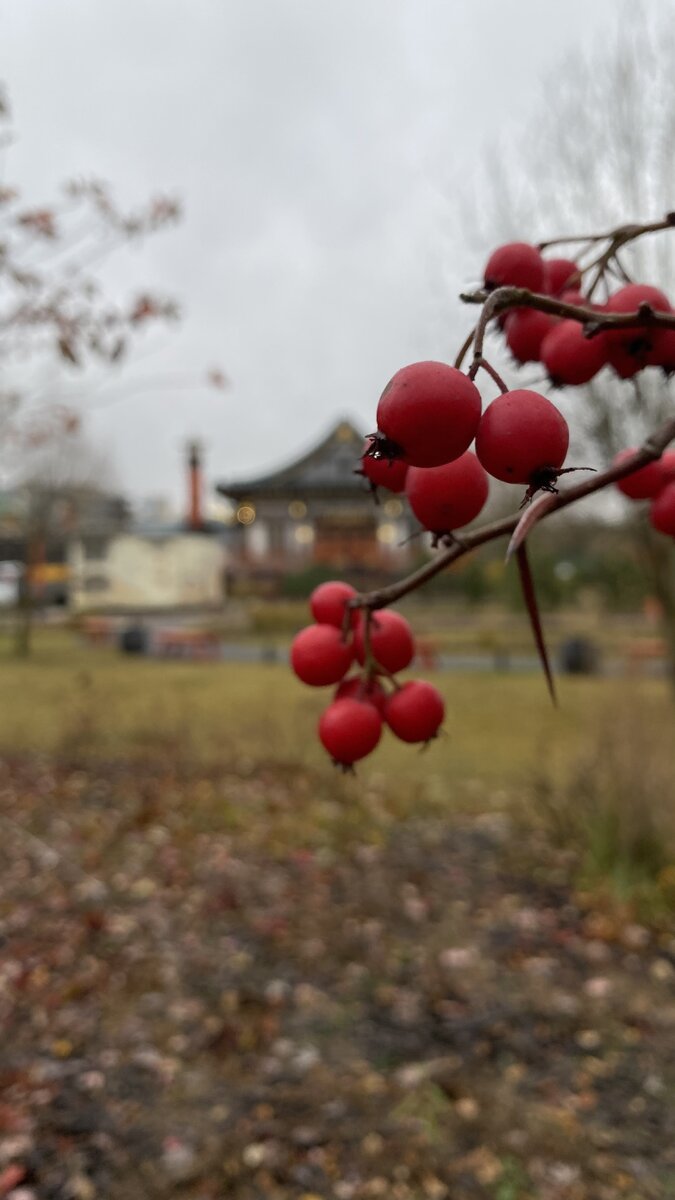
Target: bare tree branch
(651, 449)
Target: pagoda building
(318, 511)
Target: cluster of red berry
(655, 482)
(569, 356)
(381, 644)
(428, 416)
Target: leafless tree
(53, 308)
(600, 151)
(61, 480)
(50, 299)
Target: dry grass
(501, 729)
(455, 627)
(613, 801)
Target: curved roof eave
(328, 468)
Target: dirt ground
(434, 1012)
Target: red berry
(629, 298)
(560, 274)
(349, 730)
(626, 362)
(668, 466)
(415, 712)
(518, 265)
(646, 482)
(384, 472)
(319, 656)
(391, 641)
(629, 350)
(662, 353)
(662, 510)
(571, 358)
(522, 438)
(445, 498)
(525, 330)
(357, 687)
(428, 414)
(574, 296)
(327, 603)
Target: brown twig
(499, 300)
(503, 298)
(626, 233)
(464, 349)
(482, 364)
(651, 449)
(594, 321)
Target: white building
(160, 570)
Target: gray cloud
(322, 151)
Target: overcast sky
(324, 153)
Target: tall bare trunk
(23, 633)
(23, 630)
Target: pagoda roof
(327, 469)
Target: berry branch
(480, 363)
(428, 416)
(649, 452)
(620, 236)
(496, 301)
(503, 298)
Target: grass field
(231, 971)
(458, 628)
(500, 729)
